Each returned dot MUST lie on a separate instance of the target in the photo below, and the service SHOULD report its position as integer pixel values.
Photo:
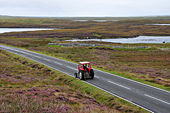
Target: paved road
(148, 97)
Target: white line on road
(96, 77)
(134, 81)
(46, 59)
(156, 99)
(119, 85)
(58, 63)
(71, 68)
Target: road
(148, 97)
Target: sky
(85, 8)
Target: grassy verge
(27, 86)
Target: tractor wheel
(81, 76)
(75, 75)
(92, 73)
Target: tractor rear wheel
(81, 76)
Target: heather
(26, 86)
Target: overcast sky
(61, 8)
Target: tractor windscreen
(87, 65)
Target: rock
(24, 62)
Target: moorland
(26, 86)
(149, 65)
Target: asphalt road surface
(148, 97)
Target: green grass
(134, 49)
(128, 48)
(54, 45)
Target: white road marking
(104, 79)
(119, 85)
(58, 63)
(156, 99)
(46, 59)
(96, 77)
(133, 81)
(71, 67)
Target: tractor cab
(84, 71)
(84, 66)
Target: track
(148, 97)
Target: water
(104, 20)
(160, 24)
(95, 20)
(5, 30)
(81, 20)
(140, 39)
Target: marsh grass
(81, 30)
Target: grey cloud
(85, 7)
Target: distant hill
(3, 16)
(119, 18)
(167, 17)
